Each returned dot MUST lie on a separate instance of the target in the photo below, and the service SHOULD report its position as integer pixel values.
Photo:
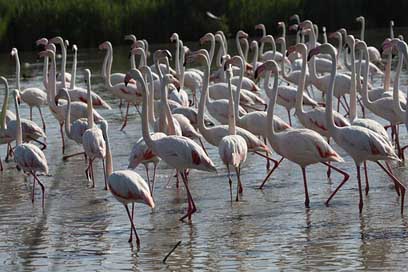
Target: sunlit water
(86, 229)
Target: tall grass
(88, 22)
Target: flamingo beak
(259, 71)
(127, 79)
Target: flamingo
(64, 77)
(33, 97)
(313, 119)
(126, 186)
(383, 107)
(233, 148)
(311, 147)
(359, 142)
(374, 54)
(80, 94)
(5, 137)
(79, 109)
(354, 120)
(140, 153)
(29, 157)
(92, 139)
(129, 93)
(179, 152)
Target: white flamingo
(92, 139)
(311, 147)
(5, 137)
(233, 148)
(125, 185)
(33, 97)
(29, 157)
(179, 152)
(360, 143)
(64, 76)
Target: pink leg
(239, 188)
(367, 188)
(42, 188)
(31, 113)
(66, 157)
(229, 181)
(42, 118)
(345, 179)
(276, 164)
(290, 120)
(148, 179)
(192, 208)
(398, 183)
(202, 145)
(133, 226)
(131, 229)
(104, 174)
(126, 117)
(154, 177)
(62, 137)
(32, 193)
(360, 204)
(306, 190)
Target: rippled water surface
(85, 229)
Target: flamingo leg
(104, 174)
(42, 187)
(229, 181)
(345, 179)
(402, 152)
(290, 120)
(306, 190)
(66, 157)
(367, 187)
(31, 113)
(126, 117)
(148, 179)
(42, 118)
(239, 188)
(92, 174)
(87, 173)
(120, 104)
(32, 193)
(329, 162)
(138, 111)
(133, 226)
(268, 164)
(276, 164)
(192, 208)
(131, 229)
(62, 137)
(398, 183)
(360, 204)
(154, 177)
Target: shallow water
(85, 229)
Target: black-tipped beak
(128, 77)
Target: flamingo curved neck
(238, 91)
(231, 110)
(89, 104)
(145, 126)
(221, 52)
(73, 71)
(177, 55)
(108, 155)
(366, 99)
(203, 100)
(109, 67)
(387, 75)
(17, 71)
(68, 114)
(313, 72)
(255, 57)
(19, 136)
(261, 48)
(283, 51)
(362, 29)
(395, 91)
(299, 95)
(52, 88)
(269, 123)
(212, 48)
(331, 126)
(45, 73)
(4, 107)
(239, 48)
(353, 92)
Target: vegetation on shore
(88, 22)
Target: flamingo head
(46, 53)
(269, 65)
(170, 79)
(259, 27)
(241, 34)
(137, 51)
(335, 35)
(234, 61)
(130, 37)
(16, 95)
(200, 56)
(306, 24)
(74, 47)
(133, 74)
(58, 40)
(66, 43)
(13, 52)
(326, 48)
(281, 24)
(360, 19)
(51, 47)
(174, 37)
(294, 28)
(254, 44)
(138, 44)
(207, 37)
(159, 54)
(41, 42)
(105, 45)
(62, 93)
(267, 38)
(295, 17)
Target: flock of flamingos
(181, 107)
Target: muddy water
(85, 229)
